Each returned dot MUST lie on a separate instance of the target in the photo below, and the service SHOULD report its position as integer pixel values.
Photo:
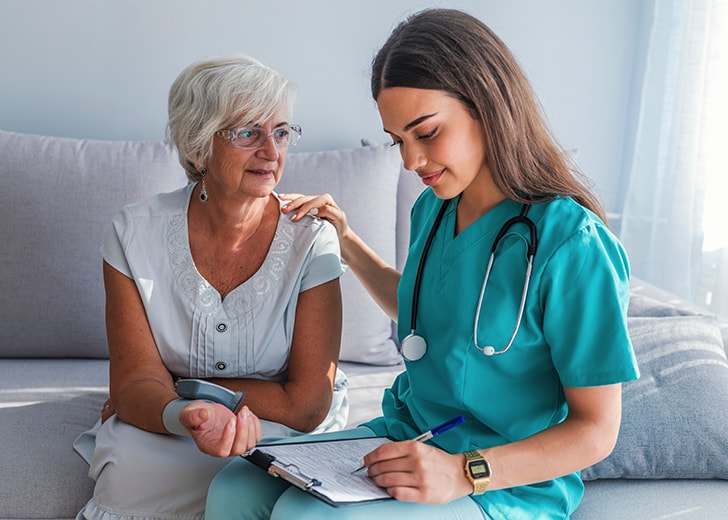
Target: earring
(203, 190)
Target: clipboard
(323, 468)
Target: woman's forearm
(584, 438)
(290, 404)
(141, 402)
(378, 277)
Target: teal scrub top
(573, 333)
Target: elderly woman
(213, 282)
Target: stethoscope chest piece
(413, 347)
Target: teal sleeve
(585, 294)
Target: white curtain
(675, 217)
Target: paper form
(329, 464)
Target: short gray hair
(218, 93)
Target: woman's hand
(322, 206)
(219, 432)
(413, 471)
(378, 277)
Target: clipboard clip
(296, 477)
(288, 472)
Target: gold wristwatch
(477, 471)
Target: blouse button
(221, 365)
(221, 327)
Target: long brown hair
(452, 51)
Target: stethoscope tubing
(414, 346)
(489, 350)
(421, 265)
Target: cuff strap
(170, 416)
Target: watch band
(477, 471)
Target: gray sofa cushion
(674, 419)
(44, 405)
(654, 500)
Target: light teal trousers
(242, 491)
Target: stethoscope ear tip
(488, 351)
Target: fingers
(227, 439)
(294, 201)
(301, 205)
(248, 432)
(391, 451)
(258, 429)
(212, 426)
(195, 415)
(289, 196)
(414, 471)
(321, 206)
(218, 432)
(393, 467)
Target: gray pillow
(647, 306)
(56, 196)
(363, 181)
(674, 417)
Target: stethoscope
(414, 346)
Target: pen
(426, 436)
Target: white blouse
(198, 334)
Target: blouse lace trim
(205, 296)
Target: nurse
(534, 358)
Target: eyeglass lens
(254, 137)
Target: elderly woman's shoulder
(168, 203)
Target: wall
(102, 68)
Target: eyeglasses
(249, 138)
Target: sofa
(56, 194)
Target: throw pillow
(674, 418)
(363, 182)
(57, 194)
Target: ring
(314, 211)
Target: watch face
(478, 469)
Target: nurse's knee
(226, 492)
(242, 491)
(294, 503)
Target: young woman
(511, 307)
